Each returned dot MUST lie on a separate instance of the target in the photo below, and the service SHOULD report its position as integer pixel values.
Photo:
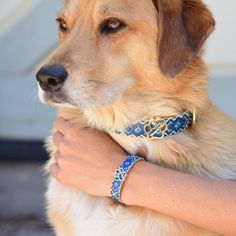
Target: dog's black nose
(51, 78)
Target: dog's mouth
(54, 98)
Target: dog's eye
(112, 26)
(62, 25)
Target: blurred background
(28, 33)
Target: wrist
(135, 187)
(121, 174)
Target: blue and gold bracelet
(121, 174)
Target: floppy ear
(184, 25)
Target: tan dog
(113, 67)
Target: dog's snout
(51, 78)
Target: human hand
(86, 159)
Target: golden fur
(116, 79)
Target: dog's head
(111, 48)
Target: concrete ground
(27, 226)
(22, 186)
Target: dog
(122, 61)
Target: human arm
(209, 204)
(87, 155)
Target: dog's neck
(157, 128)
(121, 115)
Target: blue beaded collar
(158, 128)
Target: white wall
(221, 56)
(221, 46)
(26, 38)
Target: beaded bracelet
(121, 174)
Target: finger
(54, 170)
(57, 138)
(61, 125)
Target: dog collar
(157, 127)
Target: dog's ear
(184, 25)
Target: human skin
(85, 155)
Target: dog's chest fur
(206, 151)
